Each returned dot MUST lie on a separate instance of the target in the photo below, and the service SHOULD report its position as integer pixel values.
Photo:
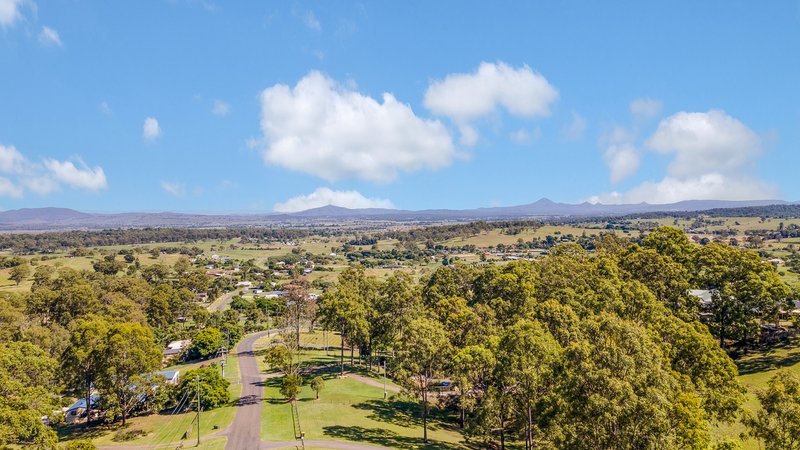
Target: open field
(496, 236)
(755, 370)
(352, 411)
(315, 339)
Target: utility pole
(223, 352)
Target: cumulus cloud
(712, 154)
(622, 161)
(469, 135)
(465, 97)
(41, 184)
(50, 37)
(83, 177)
(9, 12)
(174, 188)
(11, 160)
(9, 189)
(645, 108)
(703, 142)
(220, 108)
(324, 129)
(325, 196)
(711, 186)
(620, 155)
(151, 130)
(575, 129)
(20, 174)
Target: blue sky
(260, 106)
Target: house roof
(81, 403)
(170, 374)
(703, 294)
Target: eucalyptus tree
(423, 353)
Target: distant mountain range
(63, 218)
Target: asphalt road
(245, 432)
(221, 304)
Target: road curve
(245, 432)
(222, 302)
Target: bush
(213, 388)
(79, 444)
(205, 343)
(290, 386)
(127, 435)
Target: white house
(176, 347)
(172, 376)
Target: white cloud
(9, 13)
(11, 160)
(311, 21)
(151, 130)
(576, 127)
(82, 177)
(325, 129)
(325, 196)
(46, 176)
(469, 135)
(220, 108)
(174, 188)
(9, 189)
(622, 160)
(41, 184)
(50, 37)
(104, 108)
(712, 154)
(467, 96)
(711, 186)
(645, 108)
(620, 155)
(704, 142)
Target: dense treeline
(49, 242)
(439, 233)
(98, 335)
(774, 211)
(576, 350)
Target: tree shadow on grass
(405, 412)
(768, 362)
(80, 431)
(386, 438)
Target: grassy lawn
(308, 359)
(217, 443)
(316, 339)
(352, 411)
(755, 370)
(163, 429)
